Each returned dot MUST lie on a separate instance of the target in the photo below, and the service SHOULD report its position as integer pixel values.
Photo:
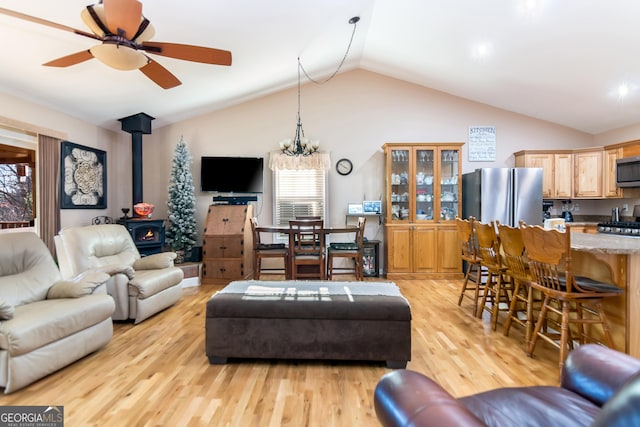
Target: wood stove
(147, 234)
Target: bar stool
(575, 299)
(468, 253)
(522, 299)
(498, 284)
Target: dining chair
(524, 299)
(351, 250)
(498, 284)
(576, 300)
(268, 251)
(308, 253)
(473, 269)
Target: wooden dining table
(285, 229)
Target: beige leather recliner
(46, 323)
(140, 286)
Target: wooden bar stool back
(523, 302)
(498, 284)
(473, 270)
(268, 250)
(308, 253)
(351, 250)
(575, 300)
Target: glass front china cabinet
(423, 190)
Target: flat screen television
(231, 174)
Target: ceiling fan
(125, 35)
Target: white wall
(352, 116)
(52, 122)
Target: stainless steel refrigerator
(504, 194)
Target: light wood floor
(157, 374)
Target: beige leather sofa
(46, 323)
(141, 287)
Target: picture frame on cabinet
(372, 206)
(83, 177)
(354, 208)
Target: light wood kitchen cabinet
(588, 173)
(609, 173)
(563, 175)
(227, 247)
(543, 161)
(588, 179)
(557, 171)
(422, 200)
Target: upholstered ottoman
(368, 321)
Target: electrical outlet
(625, 207)
(576, 207)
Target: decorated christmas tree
(182, 201)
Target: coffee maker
(566, 211)
(547, 205)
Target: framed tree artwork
(83, 177)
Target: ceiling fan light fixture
(119, 56)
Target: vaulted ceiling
(561, 61)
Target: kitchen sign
(482, 143)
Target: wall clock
(344, 166)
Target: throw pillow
(6, 310)
(83, 284)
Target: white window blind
(299, 193)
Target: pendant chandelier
(299, 145)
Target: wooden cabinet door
(545, 162)
(588, 173)
(225, 219)
(563, 176)
(448, 256)
(424, 249)
(222, 247)
(609, 173)
(399, 250)
(222, 269)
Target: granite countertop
(605, 243)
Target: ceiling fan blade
(73, 59)
(47, 23)
(187, 52)
(160, 75)
(123, 16)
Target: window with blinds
(299, 193)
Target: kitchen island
(614, 259)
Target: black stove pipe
(136, 125)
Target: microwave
(628, 172)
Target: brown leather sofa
(598, 387)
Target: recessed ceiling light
(623, 90)
(481, 50)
